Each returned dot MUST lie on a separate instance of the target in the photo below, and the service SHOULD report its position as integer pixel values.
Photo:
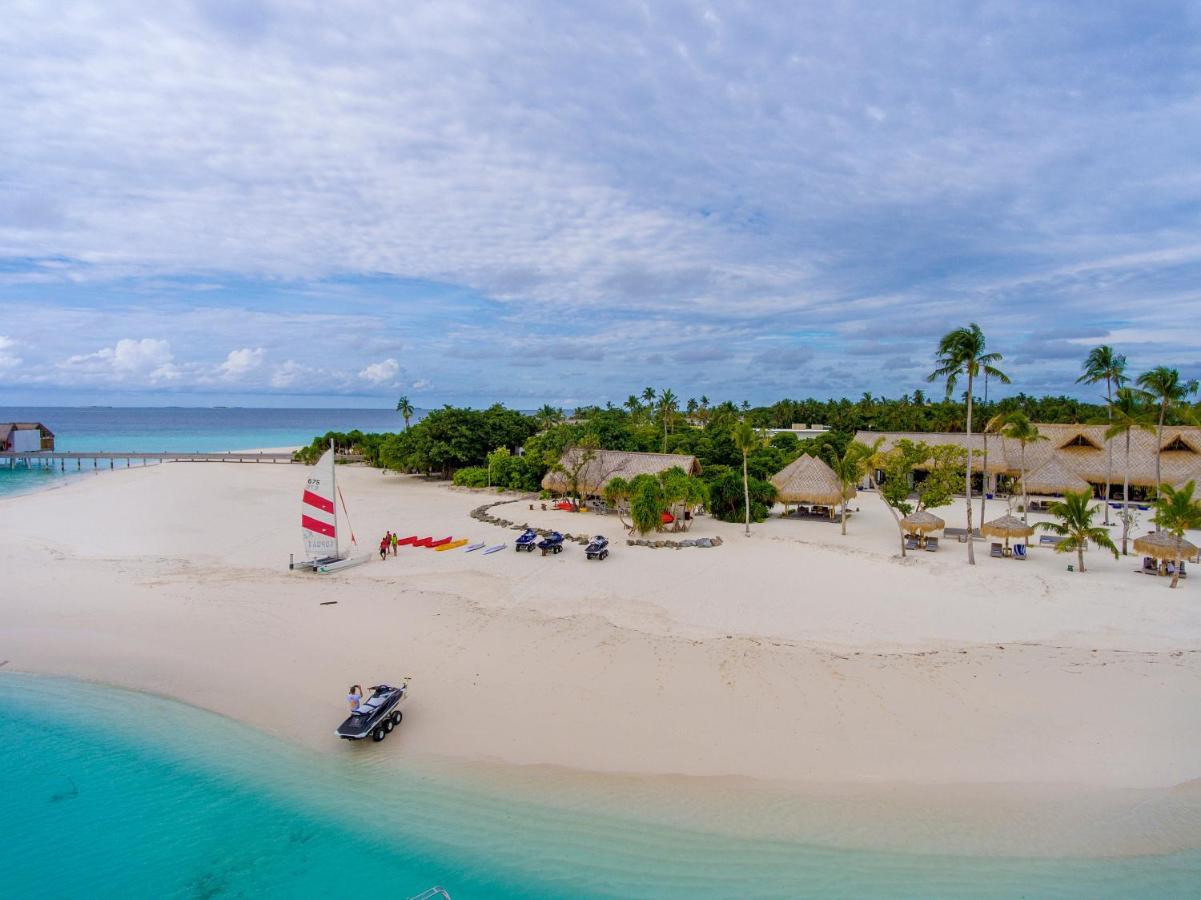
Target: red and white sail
(319, 510)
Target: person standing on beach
(395, 538)
(383, 548)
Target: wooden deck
(62, 457)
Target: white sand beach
(793, 656)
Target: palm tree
(961, 352)
(405, 408)
(691, 407)
(704, 410)
(1104, 364)
(548, 416)
(1016, 426)
(1176, 512)
(633, 405)
(617, 493)
(668, 404)
(1165, 387)
(746, 438)
(648, 395)
(1075, 513)
(1128, 411)
(849, 468)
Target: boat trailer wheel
(378, 734)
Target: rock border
(482, 514)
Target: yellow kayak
(453, 545)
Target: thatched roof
(1054, 477)
(609, 464)
(1162, 545)
(808, 480)
(1081, 449)
(922, 521)
(1006, 527)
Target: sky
(336, 203)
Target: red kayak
(407, 540)
(422, 542)
(444, 540)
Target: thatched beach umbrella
(1006, 527)
(923, 522)
(808, 480)
(1162, 545)
(1053, 477)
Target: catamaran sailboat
(320, 524)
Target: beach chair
(911, 542)
(1047, 540)
(931, 544)
(1150, 566)
(1183, 573)
(1019, 551)
(997, 551)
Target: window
(1178, 444)
(1080, 441)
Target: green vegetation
(366, 445)
(962, 353)
(1075, 513)
(1176, 512)
(1129, 411)
(1103, 363)
(901, 492)
(1165, 388)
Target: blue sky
(232, 201)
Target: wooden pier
(60, 458)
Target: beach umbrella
(923, 522)
(1006, 527)
(1162, 545)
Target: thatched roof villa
(808, 479)
(609, 464)
(1072, 455)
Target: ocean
(179, 429)
(110, 793)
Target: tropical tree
(942, 463)
(548, 416)
(849, 467)
(1176, 512)
(1075, 513)
(647, 503)
(1103, 363)
(617, 493)
(1016, 426)
(669, 403)
(704, 410)
(1129, 411)
(1165, 387)
(962, 353)
(405, 408)
(747, 439)
(648, 395)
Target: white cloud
(128, 359)
(287, 374)
(8, 359)
(381, 372)
(241, 362)
(421, 384)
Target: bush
(726, 501)
(647, 503)
(471, 476)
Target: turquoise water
(106, 793)
(178, 429)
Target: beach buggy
(376, 716)
(526, 540)
(552, 543)
(598, 547)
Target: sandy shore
(796, 655)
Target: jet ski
(376, 716)
(526, 540)
(552, 543)
(598, 547)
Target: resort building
(1070, 457)
(811, 484)
(25, 437)
(591, 475)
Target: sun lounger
(1019, 551)
(997, 551)
(911, 543)
(931, 544)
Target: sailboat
(320, 525)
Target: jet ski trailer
(377, 716)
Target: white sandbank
(793, 656)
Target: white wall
(29, 439)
